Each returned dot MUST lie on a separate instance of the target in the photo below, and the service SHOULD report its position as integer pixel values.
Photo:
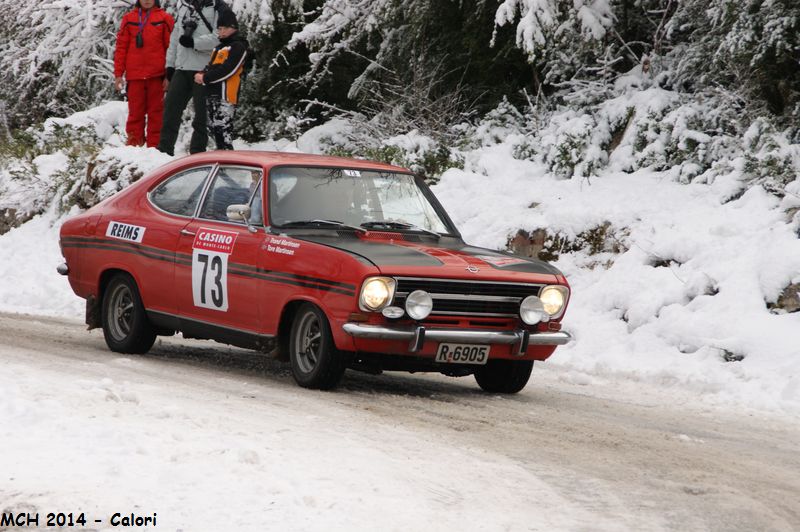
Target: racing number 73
(216, 292)
(210, 279)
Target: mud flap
(93, 313)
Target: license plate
(462, 354)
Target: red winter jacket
(149, 60)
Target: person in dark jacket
(140, 56)
(191, 43)
(223, 79)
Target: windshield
(377, 200)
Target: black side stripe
(132, 250)
(299, 277)
(275, 279)
(109, 242)
(183, 259)
(188, 258)
(292, 276)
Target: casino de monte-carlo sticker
(121, 231)
(210, 251)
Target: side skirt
(201, 330)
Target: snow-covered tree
(57, 54)
(562, 38)
(749, 46)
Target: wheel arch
(94, 302)
(287, 317)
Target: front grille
(468, 298)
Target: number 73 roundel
(210, 252)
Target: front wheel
(504, 376)
(316, 363)
(125, 324)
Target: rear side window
(180, 193)
(231, 186)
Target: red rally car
(327, 262)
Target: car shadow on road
(235, 361)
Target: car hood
(448, 257)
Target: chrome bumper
(418, 335)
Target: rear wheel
(316, 363)
(125, 324)
(504, 376)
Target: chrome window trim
(212, 168)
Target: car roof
(279, 158)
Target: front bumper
(417, 336)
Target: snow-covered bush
(66, 163)
(412, 150)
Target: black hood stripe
(383, 253)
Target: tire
(316, 363)
(504, 376)
(125, 324)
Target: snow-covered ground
(691, 283)
(211, 438)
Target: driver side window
(233, 185)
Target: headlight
(376, 293)
(553, 299)
(532, 310)
(419, 304)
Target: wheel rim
(308, 343)
(120, 313)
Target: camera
(189, 25)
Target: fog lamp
(419, 304)
(532, 310)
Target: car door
(218, 284)
(175, 200)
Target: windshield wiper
(335, 223)
(399, 225)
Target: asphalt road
(625, 456)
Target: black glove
(186, 41)
(170, 72)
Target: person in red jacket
(140, 55)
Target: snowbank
(689, 292)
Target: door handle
(187, 232)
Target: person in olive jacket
(223, 79)
(190, 46)
(139, 56)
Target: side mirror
(238, 212)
